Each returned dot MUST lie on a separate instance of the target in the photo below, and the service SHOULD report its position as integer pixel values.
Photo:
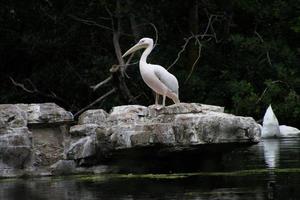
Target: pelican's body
(272, 129)
(156, 77)
(270, 126)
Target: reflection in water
(271, 155)
(268, 185)
(284, 151)
(271, 152)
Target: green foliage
(244, 98)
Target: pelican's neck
(146, 53)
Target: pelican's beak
(133, 49)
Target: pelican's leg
(156, 98)
(164, 100)
(157, 106)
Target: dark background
(249, 57)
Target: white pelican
(156, 77)
(271, 127)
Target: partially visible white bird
(156, 77)
(288, 131)
(271, 127)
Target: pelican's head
(143, 43)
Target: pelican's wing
(166, 78)
(288, 131)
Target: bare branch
(180, 52)
(34, 90)
(95, 102)
(268, 87)
(268, 58)
(89, 22)
(127, 64)
(95, 87)
(155, 29)
(198, 57)
(93, 23)
(20, 85)
(196, 37)
(259, 36)
(267, 53)
(156, 33)
(131, 56)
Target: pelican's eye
(142, 41)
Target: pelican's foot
(158, 107)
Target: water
(268, 170)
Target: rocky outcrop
(173, 128)
(36, 139)
(15, 139)
(31, 136)
(11, 116)
(45, 113)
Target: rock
(32, 136)
(12, 116)
(176, 127)
(83, 130)
(156, 133)
(185, 130)
(97, 116)
(48, 145)
(212, 127)
(15, 148)
(46, 113)
(99, 136)
(63, 167)
(83, 148)
(127, 114)
(183, 108)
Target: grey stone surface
(179, 125)
(176, 126)
(98, 134)
(12, 116)
(31, 137)
(63, 167)
(183, 108)
(15, 148)
(96, 116)
(45, 113)
(83, 148)
(48, 145)
(83, 130)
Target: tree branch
(89, 22)
(267, 52)
(20, 85)
(95, 87)
(198, 57)
(267, 88)
(196, 37)
(34, 90)
(95, 102)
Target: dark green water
(268, 170)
